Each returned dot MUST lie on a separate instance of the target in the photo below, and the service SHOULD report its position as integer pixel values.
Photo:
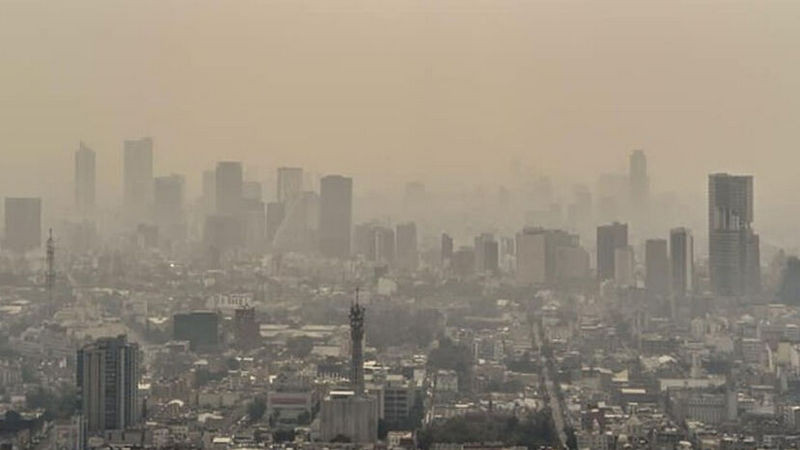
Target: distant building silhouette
(487, 253)
(228, 187)
(376, 242)
(789, 290)
(446, 250)
(209, 192)
(656, 260)
(137, 176)
(85, 179)
(254, 223)
(681, 249)
(168, 206)
(23, 224)
(251, 190)
(290, 184)
(276, 211)
(335, 216)
(609, 239)
(734, 257)
(298, 229)
(407, 252)
(624, 262)
(549, 256)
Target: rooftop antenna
(50, 276)
(357, 346)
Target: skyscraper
(609, 239)
(377, 243)
(487, 253)
(84, 179)
(254, 222)
(276, 211)
(681, 249)
(137, 176)
(656, 262)
(290, 183)
(251, 190)
(209, 193)
(335, 215)
(623, 266)
(108, 376)
(407, 254)
(446, 250)
(228, 186)
(734, 259)
(639, 183)
(538, 258)
(298, 229)
(23, 220)
(168, 206)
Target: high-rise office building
(85, 175)
(656, 261)
(209, 191)
(251, 190)
(447, 249)
(639, 182)
(108, 374)
(407, 253)
(487, 253)
(335, 215)
(539, 252)
(609, 238)
(168, 206)
(681, 249)
(290, 183)
(254, 222)
(276, 211)
(23, 220)
(377, 243)
(298, 230)
(137, 176)
(734, 259)
(623, 266)
(228, 187)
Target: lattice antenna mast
(357, 345)
(50, 276)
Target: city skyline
(399, 225)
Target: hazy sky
(390, 90)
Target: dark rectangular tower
(734, 260)
(335, 216)
(85, 174)
(609, 239)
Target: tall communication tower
(357, 344)
(50, 276)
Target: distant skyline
(452, 93)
